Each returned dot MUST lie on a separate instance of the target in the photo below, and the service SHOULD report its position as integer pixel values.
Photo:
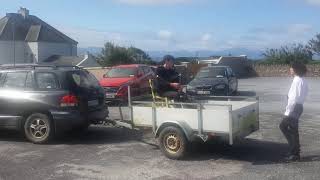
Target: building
(25, 38)
(239, 64)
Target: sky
(171, 25)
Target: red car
(116, 81)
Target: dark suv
(45, 100)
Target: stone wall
(259, 70)
(283, 70)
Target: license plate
(93, 103)
(110, 96)
(203, 92)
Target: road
(113, 153)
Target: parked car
(45, 100)
(213, 80)
(116, 81)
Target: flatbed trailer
(177, 124)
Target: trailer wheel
(173, 142)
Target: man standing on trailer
(168, 80)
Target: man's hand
(175, 85)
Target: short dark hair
(299, 68)
(168, 58)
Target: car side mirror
(104, 76)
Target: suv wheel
(38, 128)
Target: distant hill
(252, 54)
(93, 50)
(157, 55)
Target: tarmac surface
(119, 153)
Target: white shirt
(297, 93)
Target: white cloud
(91, 37)
(274, 37)
(206, 37)
(165, 34)
(313, 2)
(153, 2)
(299, 28)
(167, 40)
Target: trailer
(175, 125)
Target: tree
(113, 54)
(288, 54)
(139, 56)
(314, 44)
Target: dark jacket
(164, 78)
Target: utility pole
(14, 45)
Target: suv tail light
(69, 101)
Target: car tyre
(173, 143)
(38, 128)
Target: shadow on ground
(257, 152)
(247, 93)
(94, 135)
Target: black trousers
(290, 128)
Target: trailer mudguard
(179, 124)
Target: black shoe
(292, 158)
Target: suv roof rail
(34, 66)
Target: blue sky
(179, 24)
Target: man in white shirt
(296, 97)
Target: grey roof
(72, 60)
(63, 60)
(233, 58)
(30, 29)
(90, 61)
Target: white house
(25, 38)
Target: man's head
(168, 61)
(298, 69)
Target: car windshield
(217, 72)
(121, 72)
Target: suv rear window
(83, 79)
(15, 80)
(46, 81)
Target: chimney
(24, 12)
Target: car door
(12, 98)
(142, 76)
(148, 75)
(232, 80)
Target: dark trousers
(290, 128)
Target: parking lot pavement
(117, 153)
